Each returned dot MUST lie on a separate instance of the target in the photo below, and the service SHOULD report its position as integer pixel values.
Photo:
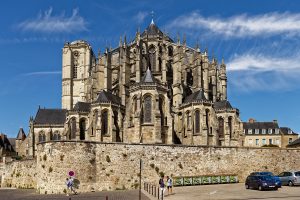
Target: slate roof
(12, 141)
(260, 125)
(222, 104)
(286, 130)
(295, 143)
(5, 143)
(50, 116)
(106, 97)
(82, 106)
(21, 134)
(153, 30)
(196, 96)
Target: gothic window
(147, 109)
(161, 110)
(82, 127)
(207, 120)
(104, 122)
(96, 116)
(56, 136)
(42, 136)
(188, 120)
(189, 77)
(152, 58)
(73, 128)
(197, 121)
(159, 64)
(170, 51)
(221, 127)
(230, 126)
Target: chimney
(251, 120)
(275, 121)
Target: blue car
(261, 182)
(277, 179)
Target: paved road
(232, 192)
(16, 194)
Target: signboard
(71, 173)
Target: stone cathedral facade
(150, 90)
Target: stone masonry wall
(19, 174)
(111, 166)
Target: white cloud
(55, 24)
(42, 73)
(250, 72)
(261, 62)
(241, 25)
(140, 16)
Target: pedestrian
(70, 186)
(162, 187)
(169, 185)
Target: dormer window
(249, 131)
(270, 131)
(276, 131)
(256, 131)
(263, 131)
(289, 131)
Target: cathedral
(150, 90)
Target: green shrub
(152, 165)
(50, 169)
(45, 157)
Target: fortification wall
(111, 166)
(19, 174)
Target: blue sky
(259, 41)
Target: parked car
(277, 179)
(290, 178)
(261, 182)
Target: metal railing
(153, 190)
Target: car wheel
(291, 183)
(260, 188)
(246, 186)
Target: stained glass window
(104, 123)
(147, 109)
(221, 127)
(197, 121)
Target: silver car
(290, 178)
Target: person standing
(162, 187)
(70, 185)
(169, 185)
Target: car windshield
(266, 178)
(297, 173)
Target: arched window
(230, 126)
(42, 136)
(221, 127)
(188, 120)
(82, 127)
(207, 120)
(197, 121)
(104, 122)
(170, 50)
(56, 136)
(73, 128)
(152, 58)
(147, 109)
(159, 64)
(189, 77)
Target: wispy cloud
(140, 16)
(46, 22)
(241, 25)
(258, 72)
(42, 73)
(261, 62)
